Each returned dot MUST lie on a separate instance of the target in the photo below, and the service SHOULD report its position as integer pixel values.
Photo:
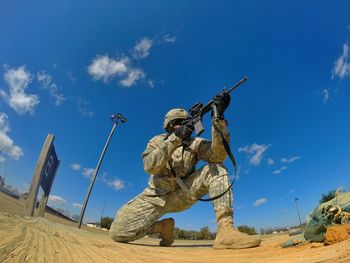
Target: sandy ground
(52, 239)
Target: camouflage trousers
(134, 219)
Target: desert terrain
(53, 239)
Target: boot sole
(237, 246)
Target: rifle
(198, 110)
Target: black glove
(221, 101)
(184, 131)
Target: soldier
(176, 153)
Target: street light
(296, 205)
(115, 119)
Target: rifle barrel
(207, 107)
(237, 84)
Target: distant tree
(246, 229)
(2, 182)
(63, 211)
(75, 217)
(204, 233)
(12, 189)
(106, 222)
(266, 231)
(262, 231)
(327, 196)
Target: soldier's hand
(222, 101)
(184, 131)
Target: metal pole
(94, 176)
(296, 205)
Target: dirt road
(24, 239)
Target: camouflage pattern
(163, 195)
(173, 115)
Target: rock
(294, 232)
(293, 242)
(316, 245)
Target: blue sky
(66, 66)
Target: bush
(202, 234)
(327, 196)
(246, 229)
(106, 222)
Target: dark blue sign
(50, 166)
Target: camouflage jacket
(163, 150)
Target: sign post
(44, 175)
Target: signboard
(44, 175)
(50, 167)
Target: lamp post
(115, 119)
(296, 205)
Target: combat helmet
(174, 114)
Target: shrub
(246, 229)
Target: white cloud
(326, 96)
(341, 67)
(290, 160)
(132, 77)
(75, 166)
(57, 200)
(83, 108)
(47, 83)
(284, 160)
(294, 159)
(142, 48)
(4, 126)
(150, 83)
(169, 38)
(277, 172)
(283, 168)
(18, 81)
(88, 172)
(105, 68)
(77, 205)
(260, 201)
(116, 184)
(6, 143)
(270, 161)
(255, 152)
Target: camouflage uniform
(163, 195)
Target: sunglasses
(177, 122)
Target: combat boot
(165, 228)
(229, 237)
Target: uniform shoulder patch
(156, 140)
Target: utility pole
(296, 205)
(115, 119)
(103, 209)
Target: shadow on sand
(176, 245)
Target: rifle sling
(234, 163)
